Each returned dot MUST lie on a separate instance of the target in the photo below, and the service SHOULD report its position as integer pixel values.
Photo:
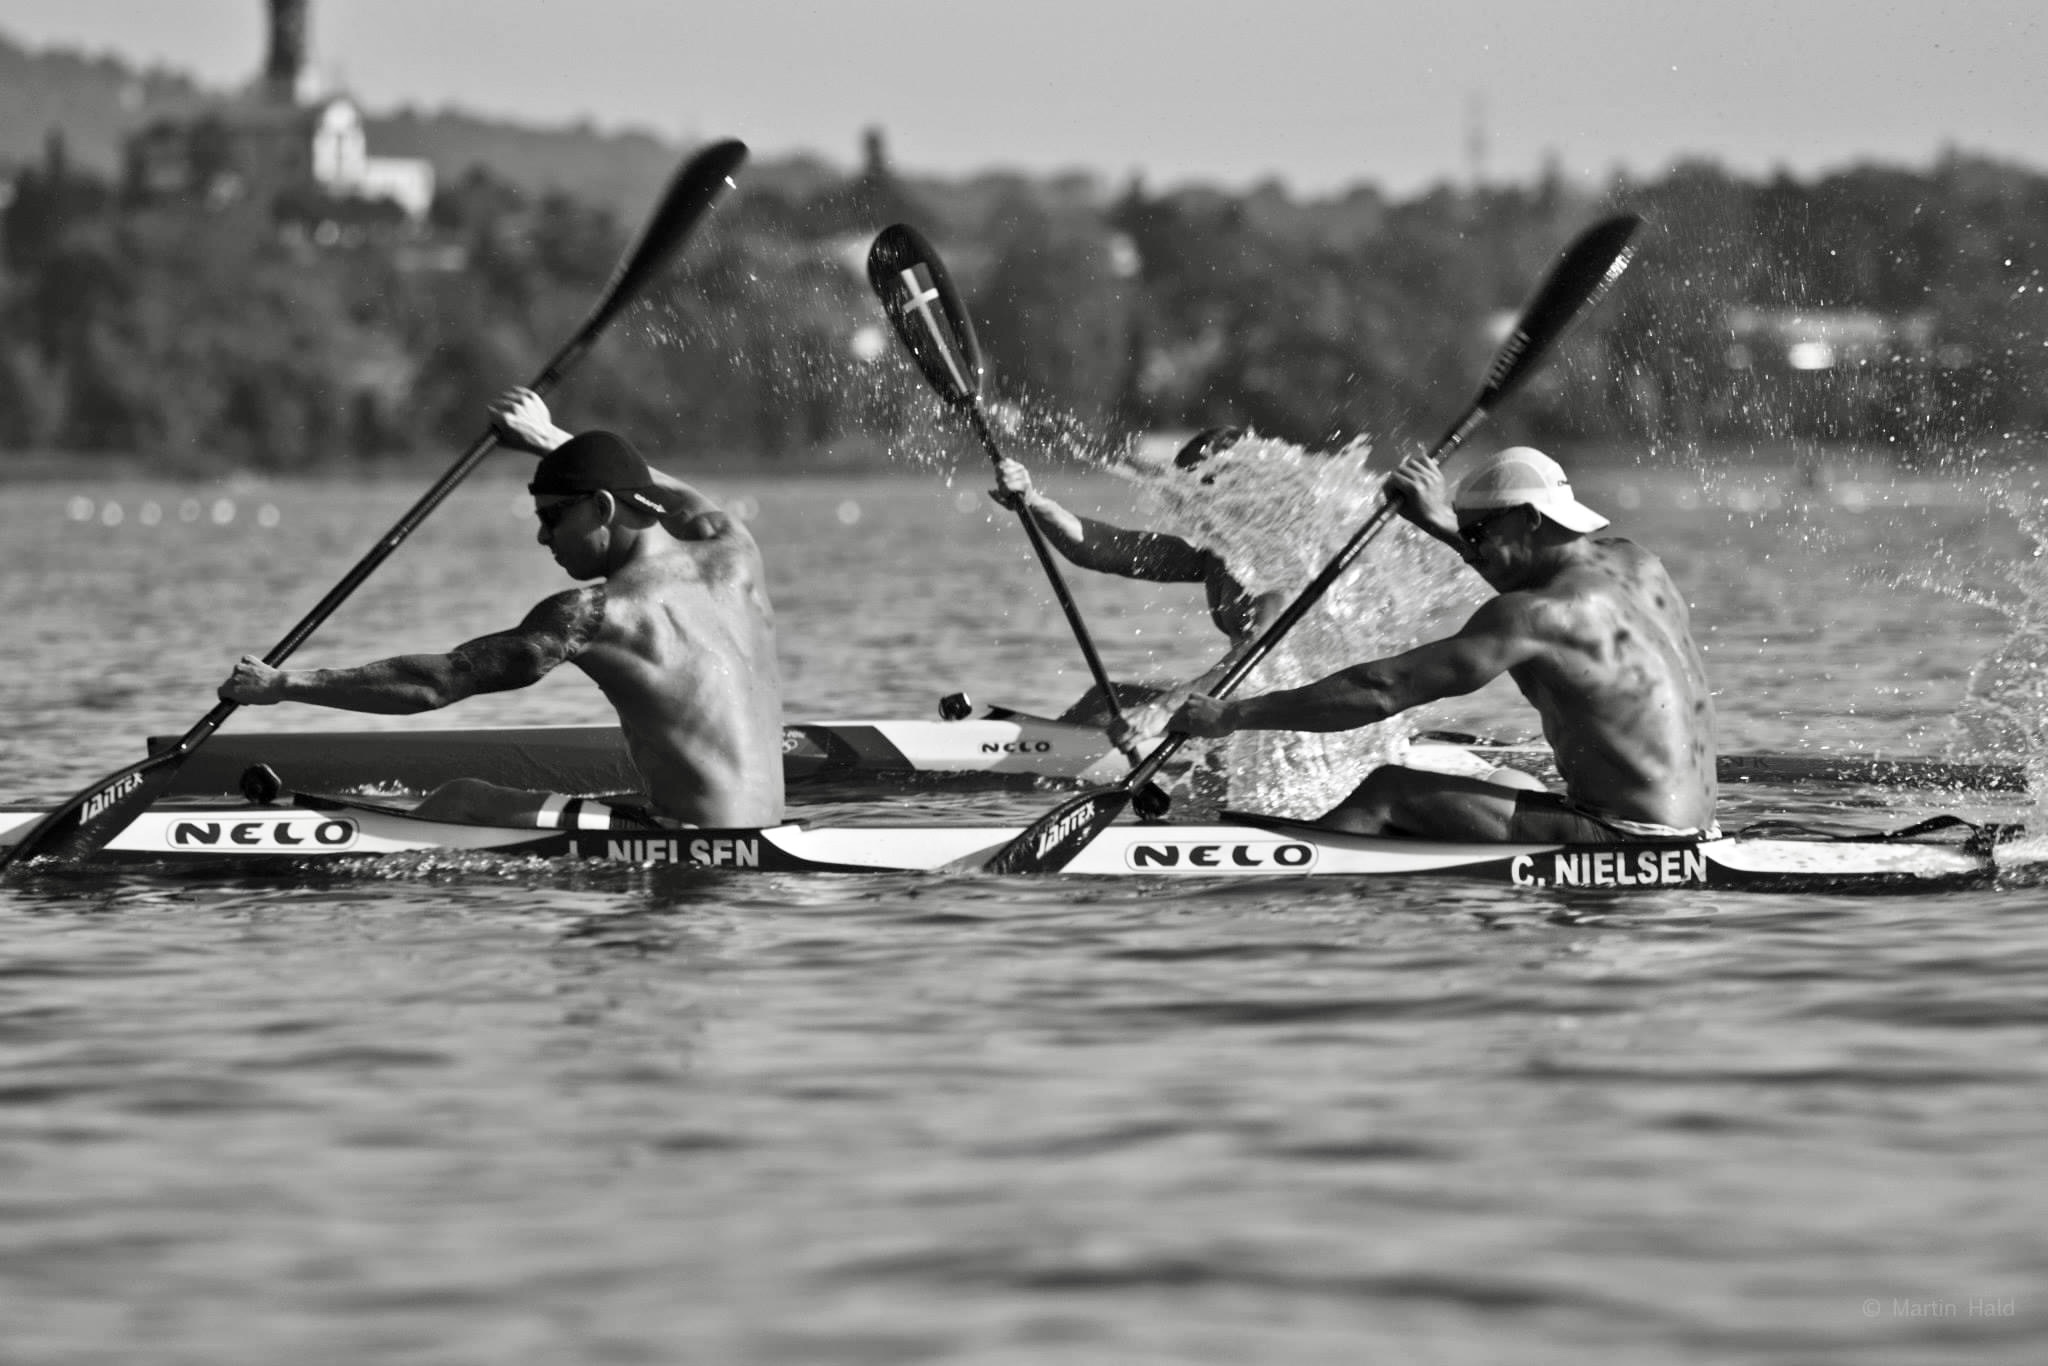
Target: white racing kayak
(998, 745)
(315, 829)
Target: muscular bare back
(682, 643)
(1620, 686)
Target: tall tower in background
(285, 67)
(1475, 139)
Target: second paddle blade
(926, 312)
(1590, 265)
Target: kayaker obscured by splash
(1151, 556)
(677, 632)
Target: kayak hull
(325, 830)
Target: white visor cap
(1523, 475)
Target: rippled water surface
(504, 1113)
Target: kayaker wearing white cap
(1594, 634)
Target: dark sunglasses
(1475, 535)
(551, 516)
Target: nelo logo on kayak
(1265, 856)
(1681, 867)
(704, 853)
(1016, 746)
(285, 834)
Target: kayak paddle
(929, 317)
(88, 820)
(1589, 266)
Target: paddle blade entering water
(926, 312)
(1055, 839)
(84, 824)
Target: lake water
(629, 1116)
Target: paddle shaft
(1149, 767)
(1052, 571)
(90, 818)
(692, 193)
(1588, 268)
(342, 591)
(564, 361)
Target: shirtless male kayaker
(1151, 556)
(677, 632)
(1594, 634)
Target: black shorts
(623, 812)
(1548, 818)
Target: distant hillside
(623, 171)
(96, 100)
(93, 100)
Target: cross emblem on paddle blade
(919, 294)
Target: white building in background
(343, 166)
(280, 141)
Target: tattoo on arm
(558, 629)
(555, 631)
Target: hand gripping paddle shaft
(89, 819)
(1582, 275)
(930, 318)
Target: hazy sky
(1320, 93)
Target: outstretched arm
(1495, 640)
(555, 630)
(1149, 555)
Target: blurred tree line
(1881, 306)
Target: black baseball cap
(598, 462)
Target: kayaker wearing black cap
(1152, 556)
(678, 633)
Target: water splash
(1276, 513)
(2007, 711)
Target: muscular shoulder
(1625, 565)
(1617, 597)
(1628, 579)
(713, 526)
(557, 629)
(716, 548)
(1571, 612)
(562, 625)
(1519, 613)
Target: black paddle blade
(1587, 270)
(692, 192)
(1053, 841)
(82, 825)
(926, 312)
